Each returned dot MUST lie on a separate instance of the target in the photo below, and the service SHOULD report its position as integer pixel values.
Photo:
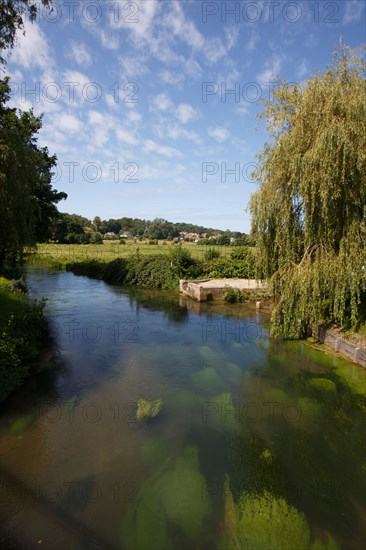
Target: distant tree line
(75, 229)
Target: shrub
(91, 268)
(20, 343)
(182, 263)
(115, 271)
(233, 296)
(229, 268)
(151, 272)
(211, 254)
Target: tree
(309, 213)
(12, 16)
(27, 200)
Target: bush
(228, 268)
(233, 296)
(91, 268)
(115, 271)
(211, 254)
(182, 263)
(151, 272)
(20, 343)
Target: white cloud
(78, 52)
(185, 112)
(110, 100)
(32, 49)
(270, 71)
(68, 122)
(162, 102)
(151, 146)
(219, 133)
(172, 78)
(353, 11)
(303, 68)
(134, 116)
(133, 66)
(126, 136)
(94, 117)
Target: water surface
(78, 471)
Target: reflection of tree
(156, 300)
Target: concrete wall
(356, 354)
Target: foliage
(170, 498)
(211, 254)
(207, 380)
(91, 268)
(148, 409)
(228, 268)
(183, 264)
(308, 215)
(115, 271)
(266, 522)
(12, 16)
(27, 200)
(233, 296)
(151, 272)
(23, 329)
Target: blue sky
(137, 104)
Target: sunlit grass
(60, 254)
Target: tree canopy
(309, 213)
(27, 199)
(12, 16)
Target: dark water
(239, 411)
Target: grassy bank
(151, 266)
(23, 332)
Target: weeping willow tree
(309, 213)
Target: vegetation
(27, 200)
(76, 229)
(309, 214)
(12, 16)
(233, 296)
(23, 330)
(148, 409)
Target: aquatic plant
(154, 452)
(148, 409)
(323, 384)
(207, 380)
(145, 524)
(276, 395)
(21, 424)
(267, 522)
(173, 496)
(181, 493)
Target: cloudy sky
(150, 106)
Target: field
(61, 254)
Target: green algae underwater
(243, 443)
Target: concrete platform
(215, 289)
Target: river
(78, 471)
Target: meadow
(61, 254)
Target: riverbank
(23, 330)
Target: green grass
(59, 255)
